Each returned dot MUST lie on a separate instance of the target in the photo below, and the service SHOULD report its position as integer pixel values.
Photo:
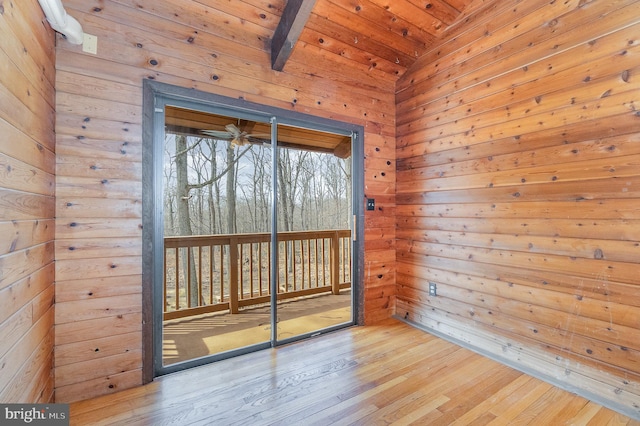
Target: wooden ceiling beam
(292, 22)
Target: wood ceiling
(386, 35)
(190, 122)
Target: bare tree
(336, 186)
(215, 205)
(263, 187)
(169, 195)
(290, 168)
(231, 191)
(183, 192)
(308, 178)
(189, 157)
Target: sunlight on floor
(214, 333)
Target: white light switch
(90, 44)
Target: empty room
(320, 211)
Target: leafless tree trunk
(184, 217)
(231, 191)
(213, 206)
(289, 173)
(257, 197)
(308, 178)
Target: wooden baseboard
(603, 388)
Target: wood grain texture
(27, 189)
(382, 374)
(213, 46)
(517, 179)
(382, 37)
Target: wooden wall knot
(625, 76)
(598, 254)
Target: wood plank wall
(518, 186)
(213, 46)
(27, 188)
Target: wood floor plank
(388, 373)
(495, 400)
(547, 405)
(466, 397)
(423, 409)
(587, 413)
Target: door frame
(155, 96)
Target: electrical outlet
(90, 44)
(432, 289)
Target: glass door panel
(314, 235)
(217, 234)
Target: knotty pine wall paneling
(518, 185)
(27, 189)
(214, 46)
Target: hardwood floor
(389, 373)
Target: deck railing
(212, 273)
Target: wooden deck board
(192, 337)
(352, 376)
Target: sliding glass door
(253, 225)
